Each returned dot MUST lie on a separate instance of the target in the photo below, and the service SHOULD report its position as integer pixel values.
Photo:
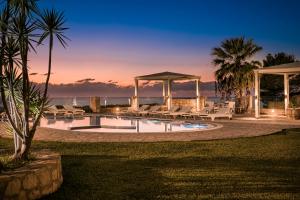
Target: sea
(109, 101)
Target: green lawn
(250, 168)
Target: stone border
(40, 177)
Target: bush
(87, 109)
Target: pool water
(123, 125)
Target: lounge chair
(221, 113)
(56, 110)
(182, 112)
(202, 113)
(152, 109)
(131, 111)
(75, 110)
(125, 111)
(165, 112)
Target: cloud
(47, 74)
(33, 74)
(85, 80)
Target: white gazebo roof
(167, 76)
(290, 68)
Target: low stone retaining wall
(189, 102)
(34, 180)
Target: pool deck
(236, 128)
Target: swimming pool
(118, 124)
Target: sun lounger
(125, 111)
(152, 109)
(221, 113)
(202, 113)
(131, 111)
(56, 110)
(165, 112)
(183, 111)
(74, 110)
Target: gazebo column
(164, 92)
(136, 98)
(286, 93)
(197, 95)
(257, 95)
(169, 102)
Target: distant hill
(113, 90)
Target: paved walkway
(230, 129)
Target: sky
(116, 40)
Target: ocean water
(83, 101)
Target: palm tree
(235, 73)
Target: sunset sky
(115, 40)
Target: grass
(265, 167)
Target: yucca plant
(23, 27)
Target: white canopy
(166, 77)
(285, 70)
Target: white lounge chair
(221, 113)
(202, 113)
(165, 112)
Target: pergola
(166, 78)
(286, 70)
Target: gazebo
(166, 78)
(286, 70)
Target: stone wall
(34, 180)
(189, 102)
(95, 104)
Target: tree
(22, 25)
(276, 88)
(235, 74)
